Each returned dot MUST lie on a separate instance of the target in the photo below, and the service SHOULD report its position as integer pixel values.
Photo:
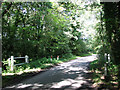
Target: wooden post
(12, 63)
(108, 58)
(57, 57)
(26, 59)
(51, 57)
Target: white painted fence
(12, 60)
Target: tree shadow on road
(89, 82)
(67, 77)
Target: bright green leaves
(39, 30)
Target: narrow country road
(66, 76)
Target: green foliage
(94, 64)
(113, 69)
(98, 74)
(38, 30)
(65, 56)
(42, 63)
(84, 54)
(108, 36)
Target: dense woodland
(38, 30)
(43, 29)
(109, 34)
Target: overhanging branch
(6, 10)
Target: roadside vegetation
(27, 70)
(65, 29)
(40, 30)
(98, 75)
(106, 44)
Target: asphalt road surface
(66, 76)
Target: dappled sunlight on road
(67, 76)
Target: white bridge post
(26, 59)
(12, 63)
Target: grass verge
(97, 69)
(83, 55)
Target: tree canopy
(40, 30)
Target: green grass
(83, 55)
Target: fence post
(57, 57)
(12, 63)
(108, 58)
(51, 57)
(26, 59)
